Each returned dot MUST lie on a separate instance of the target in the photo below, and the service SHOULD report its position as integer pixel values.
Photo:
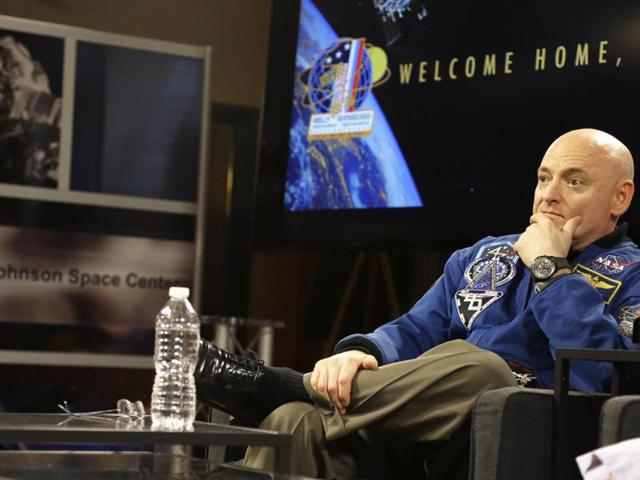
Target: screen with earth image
(421, 122)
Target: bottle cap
(179, 292)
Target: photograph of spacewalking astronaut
(30, 108)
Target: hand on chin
(547, 234)
(557, 220)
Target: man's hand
(332, 376)
(543, 237)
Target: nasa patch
(471, 303)
(502, 269)
(614, 264)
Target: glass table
(75, 465)
(53, 428)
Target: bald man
(494, 318)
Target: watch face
(542, 268)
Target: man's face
(576, 178)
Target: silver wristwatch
(545, 266)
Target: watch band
(544, 284)
(561, 262)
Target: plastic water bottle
(173, 400)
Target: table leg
(223, 337)
(616, 380)
(265, 344)
(172, 460)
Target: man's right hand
(544, 237)
(332, 376)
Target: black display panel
(472, 94)
(137, 122)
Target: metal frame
(561, 394)
(226, 329)
(226, 238)
(64, 359)
(71, 36)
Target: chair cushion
(512, 428)
(620, 419)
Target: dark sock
(282, 385)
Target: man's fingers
(369, 362)
(345, 379)
(571, 225)
(314, 377)
(332, 384)
(539, 218)
(344, 393)
(346, 376)
(332, 377)
(321, 385)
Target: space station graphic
(342, 151)
(337, 85)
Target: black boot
(230, 382)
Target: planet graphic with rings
(324, 81)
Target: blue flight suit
(487, 297)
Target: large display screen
(420, 122)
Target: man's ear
(622, 198)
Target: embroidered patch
(607, 287)
(625, 327)
(470, 303)
(629, 312)
(486, 278)
(523, 375)
(500, 250)
(501, 269)
(614, 264)
(627, 316)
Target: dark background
(473, 144)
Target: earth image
(345, 173)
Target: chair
(216, 453)
(511, 432)
(620, 419)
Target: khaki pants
(421, 400)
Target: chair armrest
(620, 419)
(511, 432)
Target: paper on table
(614, 462)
